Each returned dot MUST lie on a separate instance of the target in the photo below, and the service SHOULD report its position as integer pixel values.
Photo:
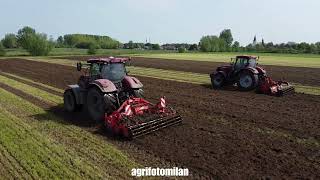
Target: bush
(35, 43)
(2, 51)
(38, 45)
(92, 49)
(10, 41)
(155, 46)
(182, 50)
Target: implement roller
(137, 117)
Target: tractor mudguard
(76, 92)
(104, 85)
(261, 71)
(132, 82)
(221, 72)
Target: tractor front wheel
(138, 93)
(96, 105)
(217, 80)
(69, 101)
(247, 81)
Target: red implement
(137, 117)
(275, 88)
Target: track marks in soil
(231, 146)
(79, 119)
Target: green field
(76, 51)
(36, 144)
(301, 60)
(295, 60)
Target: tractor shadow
(80, 119)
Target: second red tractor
(247, 75)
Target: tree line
(224, 43)
(38, 44)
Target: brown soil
(224, 133)
(306, 76)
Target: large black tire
(69, 101)
(217, 80)
(137, 93)
(247, 81)
(95, 104)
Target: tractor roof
(247, 57)
(108, 60)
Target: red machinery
(274, 88)
(136, 117)
(245, 72)
(114, 98)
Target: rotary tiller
(137, 117)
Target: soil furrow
(219, 135)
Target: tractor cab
(241, 62)
(113, 69)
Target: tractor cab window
(114, 72)
(240, 63)
(252, 62)
(94, 69)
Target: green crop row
(71, 150)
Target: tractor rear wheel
(247, 81)
(217, 80)
(95, 104)
(69, 101)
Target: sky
(167, 21)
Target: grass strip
(34, 82)
(87, 147)
(43, 95)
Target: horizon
(167, 21)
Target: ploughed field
(224, 133)
(302, 75)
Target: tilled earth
(224, 133)
(302, 75)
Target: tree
(60, 41)
(23, 35)
(205, 44)
(236, 46)
(226, 35)
(92, 49)
(193, 47)
(155, 46)
(38, 45)
(10, 41)
(182, 50)
(2, 51)
(130, 45)
(211, 44)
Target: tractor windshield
(252, 62)
(114, 72)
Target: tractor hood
(224, 68)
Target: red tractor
(245, 72)
(113, 97)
